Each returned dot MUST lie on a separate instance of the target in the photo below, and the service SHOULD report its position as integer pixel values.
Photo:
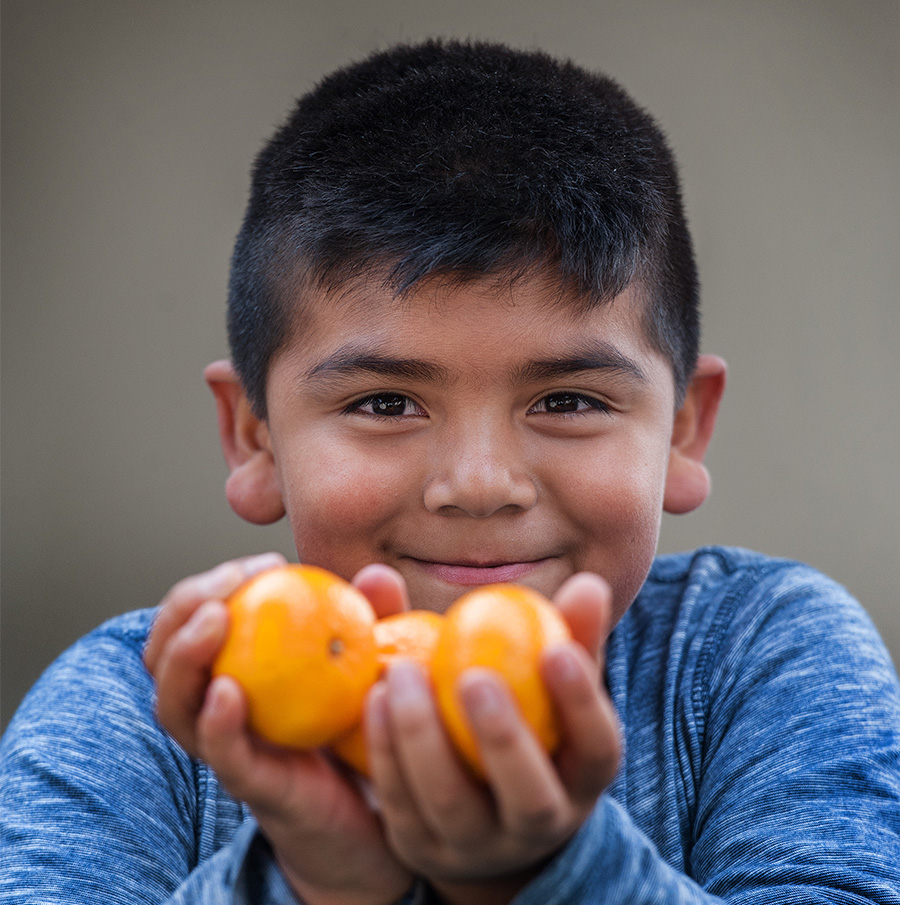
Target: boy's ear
(687, 480)
(252, 488)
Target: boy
(463, 321)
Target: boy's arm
(97, 804)
(799, 791)
(317, 824)
(793, 713)
(480, 844)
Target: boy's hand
(187, 633)
(480, 844)
(326, 838)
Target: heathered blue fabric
(761, 714)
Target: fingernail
(482, 696)
(261, 562)
(215, 697)
(204, 623)
(376, 708)
(406, 683)
(563, 664)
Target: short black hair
(463, 160)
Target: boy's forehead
(367, 302)
(448, 322)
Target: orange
(505, 628)
(301, 645)
(412, 634)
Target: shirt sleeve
(242, 873)
(794, 713)
(99, 805)
(246, 874)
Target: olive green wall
(128, 130)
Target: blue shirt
(761, 717)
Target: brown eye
(386, 405)
(563, 403)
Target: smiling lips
(478, 574)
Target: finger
(250, 769)
(183, 670)
(223, 739)
(185, 597)
(530, 799)
(450, 802)
(390, 790)
(591, 749)
(384, 587)
(585, 601)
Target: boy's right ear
(252, 489)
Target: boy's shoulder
(116, 644)
(723, 608)
(751, 687)
(128, 629)
(729, 578)
(720, 563)
(101, 673)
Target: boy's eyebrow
(596, 356)
(348, 360)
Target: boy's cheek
(620, 531)
(340, 489)
(334, 509)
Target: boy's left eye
(566, 403)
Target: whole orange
(412, 634)
(301, 645)
(506, 628)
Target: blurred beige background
(128, 131)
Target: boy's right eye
(386, 405)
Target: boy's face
(470, 434)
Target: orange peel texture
(412, 634)
(301, 645)
(505, 628)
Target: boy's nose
(478, 477)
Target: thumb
(585, 601)
(384, 587)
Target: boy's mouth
(472, 573)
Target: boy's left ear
(687, 480)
